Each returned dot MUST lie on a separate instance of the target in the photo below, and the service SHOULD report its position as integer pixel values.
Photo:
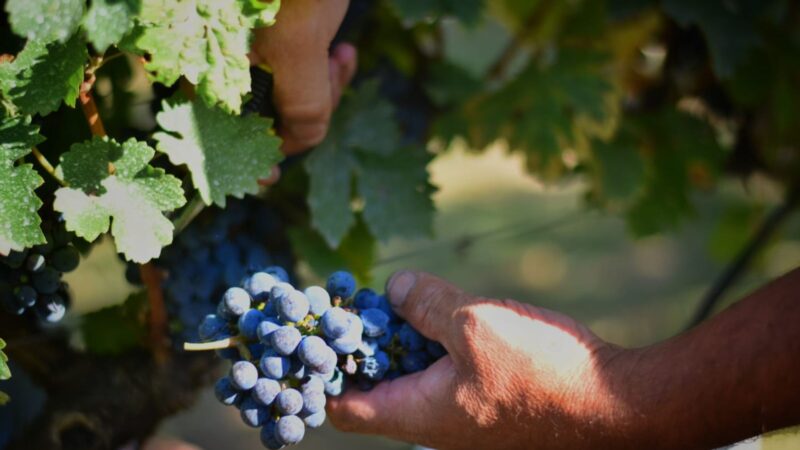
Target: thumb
(431, 305)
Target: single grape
(297, 370)
(259, 285)
(225, 392)
(211, 326)
(279, 291)
(293, 307)
(289, 402)
(366, 298)
(268, 437)
(312, 383)
(14, 260)
(414, 361)
(278, 272)
(312, 352)
(35, 263)
(375, 322)
(235, 302)
(335, 385)
(253, 414)
(243, 375)
(373, 368)
(335, 322)
(66, 259)
(50, 308)
(273, 365)
(386, 307)
(264, 330)
(25, 296)
(285, 339)
(410, 338)
(341, 284)
(315, 420)
(249, 322)
(290, 430)
(319, 300)
(46, 281)
(313, 402)
(265, 391)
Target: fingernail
(399, 286)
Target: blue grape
(265, 391)
(410, 338)
(211, 326)
(225, 392)
(249, 322)
(345, 345)
(293, 307)
(264, 330)
(312, 351)
(268, 437)
(253, 413)
(297, 371)
(235, 302)
(46, 281)
(335, 385)
(341, 284)
(315, 420)
(366, 299)
(25, 296)
(35, 263)
(289, 402)
(386, 307)
(285, 340)
(290, 430)
(335, 322)
(279, 291)
(14, 260)
(273, 365)
(259, 286)
(243, 375)
(375, 321)
(319, 300)
(312, 383)
(278, 272)
(374, 367)
(414, 361)
(313, 402)
(65, 259)
(367, 347)
(50, 308)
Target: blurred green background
(500, 233)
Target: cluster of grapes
(217, 250)
(291, 348)
(31, 279)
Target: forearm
(733, 377)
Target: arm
(518, 376)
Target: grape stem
(151, 277)
(42, 160)
(188, 213)
(213, 345)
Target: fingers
(274, 176)
(430, 304)
(407, 408)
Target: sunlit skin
(518, 376)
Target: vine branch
(498, 70)
(151, 278)
(737, 267)
(188, 213)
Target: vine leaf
(391, 180)
(108, 21)
(5, 372)
(134, 196)
(261, 13)
(19, 221)
(207, 41)
(45, 20)
(115, 329)
(226, 154)
(44, 75)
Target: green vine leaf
(115, 329)
(261, 13)
(207, 41)
(108, 21)
(391, 179)
(226, 154)
(5, 372)
(134, 195)
(19, 221)
(44, 75)
(45, 20)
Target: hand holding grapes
(516, 376)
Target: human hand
(308, 78)
(515, 376)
